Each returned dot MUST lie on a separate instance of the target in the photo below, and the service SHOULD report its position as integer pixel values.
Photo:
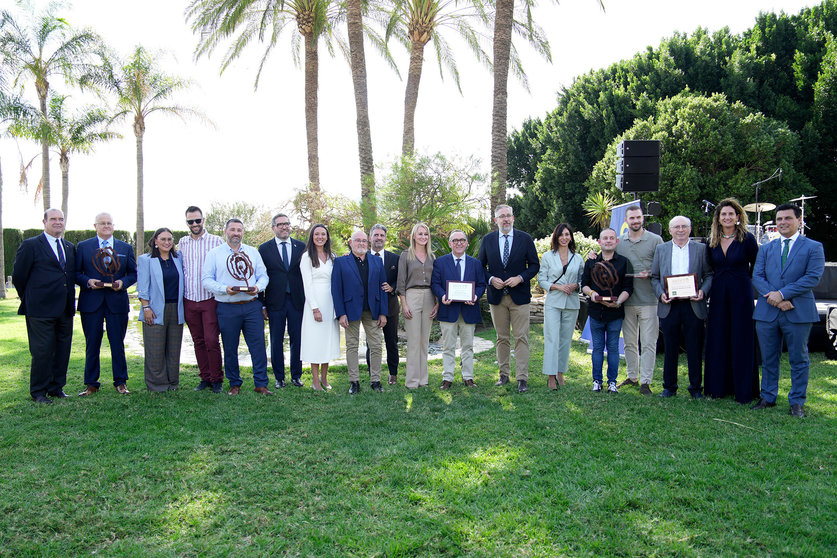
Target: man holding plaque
(681, 277)
(234, 272)
(511, 261)
(105, 268)
(608, 282)
(44, 278)
(458, 281)
(284, 298)
(785, 272)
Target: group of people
(223, 288)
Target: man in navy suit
(284, 298)
(44, 278)
(786, 271)
(377, 241)
(108, 305)
(510, 261)
(356, 287)
(457, 319)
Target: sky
(255, 149)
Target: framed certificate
(681, 286)
(460, 291)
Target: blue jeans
(234, 319)
(605, 334)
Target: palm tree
(264, 20)
(45, 48)
(142, 89)
(417, 22)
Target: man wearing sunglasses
(199, 305)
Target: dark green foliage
(11, 240)
(176, 234)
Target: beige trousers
(451, 331)
(641, 323)
(374, 339)
(509, 318)
(421, 303)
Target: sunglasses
(194, 221)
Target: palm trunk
(411, 97)
(45, 191)
(311, 71)
(64, 162)
(2, 241)
(139, 131)
(499, 148)
(354, 21)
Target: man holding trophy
(235, 273)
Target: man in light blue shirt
(235, 274)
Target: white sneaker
(597, 385)
(611, 387)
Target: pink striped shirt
(194, 253)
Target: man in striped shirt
(199, 305)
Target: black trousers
(50, 340)
(681, 323)
(391, 342)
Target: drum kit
(760, 207)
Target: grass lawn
(481, 472)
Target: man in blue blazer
(44, 278)
(284, 298)
(510, 261)
(457, 319)
(100, 305)
(786, 271)
(356, 288)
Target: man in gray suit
(678, 316)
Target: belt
(240, 301)
(419, 287)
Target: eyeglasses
(105, 224)
(194, 221)
(680, 227)
(504, 216)
(459, 240)
(286, 224)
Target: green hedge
(11, 240)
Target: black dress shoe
(203, 385)
(58, 394)
(797, 411)
(697, 395)
(295, 382)
(522, 386)
(502, 381)
(42, 399)
(376, 386)
(218, 387)
(279, 384)
(667, 393)
(763, 404)
(354, 387)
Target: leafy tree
(256, 219)
(45, 48)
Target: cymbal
(803, 198)
(762, 206)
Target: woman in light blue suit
(560, 276)
(160, 291)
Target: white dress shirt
(679, 259)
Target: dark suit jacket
(274, 296)
(523, 261)
(89, 300)
(45, 290)
(802, 272)
(347, 289)
(444, 270)
(698, 264)
(391, 269)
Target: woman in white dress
(320, 331)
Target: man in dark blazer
(510, 261)
(785, 272)
(457, 319)
(99, 304)
(284, 298)
(681, 316)
(359, 299)
(377, 241)
(44, 278)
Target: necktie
(785, 251)
(379, 255)
(459, 268)
(105, 245)
(285, 254)
(506, 250)
(61, 260)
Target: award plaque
(106, 263)
(605, 278)
(681, 286)
(460, 291)
(241, 269)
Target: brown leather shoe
(470, 383)
(89, 391)
(393, 379)
(262, 391)
(122, 389)
(234, 390)
(628, 382)
(445, 385)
